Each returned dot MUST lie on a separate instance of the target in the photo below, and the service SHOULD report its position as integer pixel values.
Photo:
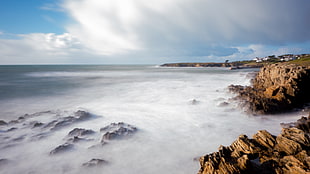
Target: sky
(150, 32)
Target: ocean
(179, 114)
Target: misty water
(180, 114)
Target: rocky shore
(276, 88)
(265, 153)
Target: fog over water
(180, 114)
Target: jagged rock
(3, 123)
(80, 132)
(276, 88)
(62, 148)
(65, 121)
(265, 139)
(287, 146)
(95, 162)
(37, 124)
(264, 154)
(117, 130)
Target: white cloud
(112, 27)
(39, 48)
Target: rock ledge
(286, 153)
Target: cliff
(276, 88)
(264, 154)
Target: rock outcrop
(117, 131)
(95, 163)
(62, 148)
(286, 153)
(276, 88)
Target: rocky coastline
(276, 88)
(264, 153)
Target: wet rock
(82, 115)
(265, 153)
(194, 102)
(11, 129)
(62, 148)
(77, 139)
(3, 123)
(65, 121)
(95, 162)
(3, 162)
(117, 131)
(80, 132)
(37, 124)
(13, 122)
(223, 104)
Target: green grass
(303, 61)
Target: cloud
(186, 27)
(158, 31)
(39, 48)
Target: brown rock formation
(276, 88)
(287, 153)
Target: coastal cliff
(276, 88)
(265, 153)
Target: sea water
(180, 114)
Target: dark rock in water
(50, 124)
(117, 130)
(65, 121)
(13, 122)
(76, 139)
(80, 132)
(276, 88)
(11, 129)
(195, 102)
(95, 163)
(286, 153)
(82, 115)
(62, 148)
(37, 124)
(3, 123)
(3, 162)
(223, 104)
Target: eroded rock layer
(276, 88)
(286, 153)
